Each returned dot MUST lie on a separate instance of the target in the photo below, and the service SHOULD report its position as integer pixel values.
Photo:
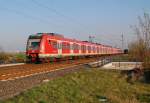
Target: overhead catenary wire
(103, 39)
(68, 18)
(61, 26)
(20, 3)
(39, 19)
(25, 15)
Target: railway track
(19, 71)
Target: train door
(71, 48)
(79, 47)
(59, 48)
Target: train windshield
(33, 44)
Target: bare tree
(140, 49)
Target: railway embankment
(76, 83)
(87, 85)
(12, 88)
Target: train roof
(60, 36)
(39, 35)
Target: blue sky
(104, 19)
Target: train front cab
(33, 48)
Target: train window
(103, 49)
(83, 48)
(68, 46)
(53, 44)
(65, 45)
(79, 47)
(89, 49)
(93, 49)
(100, 50)
(75, 46)
(34, 45)
(97, 49)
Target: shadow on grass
(144, 98)
(147, 76)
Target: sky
(106, 20)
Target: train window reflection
(34, 45)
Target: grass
(19, 57)
(86, 86)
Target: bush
(4, 57)
(12, 57)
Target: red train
(48, 46)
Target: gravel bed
(12, 88)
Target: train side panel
(50, 45)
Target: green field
(86, 86)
